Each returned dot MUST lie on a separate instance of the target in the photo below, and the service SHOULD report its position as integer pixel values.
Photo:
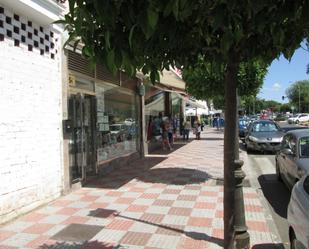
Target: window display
(117, 130)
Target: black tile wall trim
(16, 17)
(9, 33)
(27, 33)
(23, 26)
(16, 30)
(8, 20)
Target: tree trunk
(230, 150)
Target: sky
(282, 73)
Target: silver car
(263, 135)
(298, 215)
(292, 160)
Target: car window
(264, 127)
(306, 184)
(304, 147)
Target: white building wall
(31, 170)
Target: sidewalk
(167, 200)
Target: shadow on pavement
(212, 138)
(177, 145)
(84, 245)
(192, 235)
(276, 193)
(268, 246)
(176, 176)
(122, 175)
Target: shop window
(117, 126)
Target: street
(275, 193)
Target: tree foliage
(206, 80)
(152, 35)
(299, 90)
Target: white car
(298, 215)
(298, 118)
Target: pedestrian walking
(186, 129)
(165, 134)
(197, 129)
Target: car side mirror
(287, 151)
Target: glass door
(82, 148)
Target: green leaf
(107, 40)
(110, 61)
(176, 9)
(71, 6)
(168, 8)
(152, 17)
(153, 77)
(131, 34)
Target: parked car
(298, 215)
(298, 118)
(292, 161)
(263, 135)
(242, 128)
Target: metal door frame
(80, 97)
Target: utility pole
(299, 98)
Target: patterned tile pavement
(168, 201)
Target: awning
(194, 104)
(196, 111)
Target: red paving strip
(200, 222)
(38, 228)
(160, 202)
(120, 224)
(33, 217)
(75, 219)
(205, 205)
(137, 208)
(152, 218)
(180, 211)
(259, 226)
(6, 234)
(189, 243)
(187, 197)
(67, 211)
(135, 238)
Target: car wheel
(297, 121)
(278, 174)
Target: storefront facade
(166, 98)
(103, 120)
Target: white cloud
(276, 87)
